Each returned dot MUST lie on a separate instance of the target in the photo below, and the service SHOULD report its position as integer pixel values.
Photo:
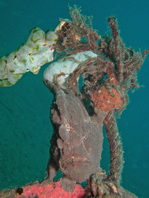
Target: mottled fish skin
(76, 145)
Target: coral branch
(77, 35)
(116, 152)
(118, 48)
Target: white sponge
(61, 69)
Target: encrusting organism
(35, 52)
(90, 79)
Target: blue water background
(25, 128)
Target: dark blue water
(25, 128)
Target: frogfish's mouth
(74, 161)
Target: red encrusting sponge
(52, 190)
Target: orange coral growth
(107, 99)
(53, 190)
